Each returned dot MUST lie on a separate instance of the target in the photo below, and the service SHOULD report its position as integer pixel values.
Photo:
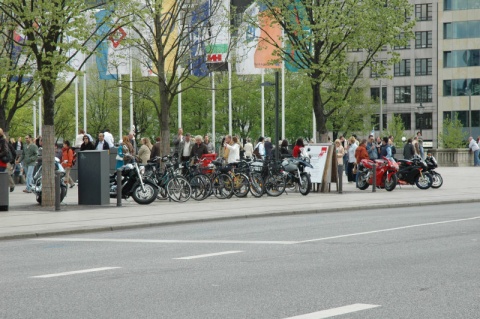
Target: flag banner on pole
(247, 42)
(293, 62)
(199, 34)
(268, 42)
(217, 50)
(20, 62)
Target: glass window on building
(402, 68)
(378, 69)
(375, 121)
(375, 94)
(423, 66)
(406, 120)
(461, 58)
(461, 29)
(460, 4)
(424, 121)
(461, 87)
(423, 12)
(423, 39)
(423, 93)
(402, 94)
(475, 118)
(401, 37)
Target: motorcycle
(386, 174)
(37, 182)
(431, 165)
(414, 171)
(142, 189)
(294, 170)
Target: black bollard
(119, 188)
(374, 177)
(57, 191)
(340, 179)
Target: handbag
(354, 171)
(119, 158)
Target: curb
(94, 229)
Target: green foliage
(453, 135)
(396, 129)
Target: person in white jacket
(234, 150)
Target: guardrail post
(119, 188)
(340, 178)
(57, 191)
(374, 178)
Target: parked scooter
(294, 170)
(142, 189)
(385, 174)
(414, 171)
(37, 182)
(431, 165)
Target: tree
(318, 33)
(174, 38)
(49, 27)
(453, 135)
(396, 128)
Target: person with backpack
(29, 158)
(7, 157)
(68, 162)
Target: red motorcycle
(386, 174)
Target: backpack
(256, 152)
(13, 153)
(8, 158)
(74, 157)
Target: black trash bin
(93, 178)
(4, 191)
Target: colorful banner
(247, 42)
(217, 50)
(199, 28)
(298, 14)
(19, 60)
(268, 42)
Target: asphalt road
(419, 262)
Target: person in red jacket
(67, 162)
(361, 153)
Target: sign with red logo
(117, 40)
(323, 151)
(212, 58)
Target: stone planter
(453, 157)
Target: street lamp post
(277, 103)
(469, 111)
(421, 108)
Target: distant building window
(423, 93)
(402, 68)
(423, 121)
(423, 39)
(402, 94)
(375, 94)
(461, 87)
(423, 66)
(401, 37)
(460, 4)
(406, 120)
(423, 12)
(461, 29)
(378, 69)
(461, 58)
(375, 121)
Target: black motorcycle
(37, 182)
(142, 189)
(414, 171)
(432, 165)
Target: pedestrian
(386, 149)
(408, 150)
(127, 150)
(340, 152)
(58, 151)
(268, 147)
(259, 150)
(233, 149)
(86, 145)
(248, 147)
(79, 138)
(176, 143)
(145, 150)
(109, 138)
(101, 144)
(120, 156)
(392, 145)
(473, 146)
(297, 149)
(156, 149)
(379, 146)
(199, 148)
(226, 150)
(416, 147)
(209, 144)
(131, 138)
(361, 153)
(67, 162)
(352, 147)
(7, 158)
(29, 157)
(185, 148)
(421, 151)
(372, 148)
(284, 152)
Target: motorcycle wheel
(275, 185)
(437, 180)
(362, 181)
(145, 197)
(391, 184)
(257, 186)
(305, 184)
(424, 181)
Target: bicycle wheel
(241, 185)
(179, 189)
(198, 188)
(222, 186)
(275, 185)
(208, 185)
(256, 185)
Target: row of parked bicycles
(168, 178)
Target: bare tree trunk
(164, 119)
(320, 119)
(48, 138)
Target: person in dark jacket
(284, 152)
(199, 148)
(101, 144)
(86, 144)
(408, 150)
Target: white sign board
(427, 144)
(318, 157)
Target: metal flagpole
(84, 96)
(76, 105)
(120, 109)
(40, 115)
(131, 88)
(314, 127)
(213, 108)
(263, 103)
(229, 98)
(34, 119)
(179, 71)
(283, 101)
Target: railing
(453, 157)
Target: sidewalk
(27, 219)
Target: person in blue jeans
(29, 157)
(473, 146)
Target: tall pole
(85, 99)
(76, 105)
(179, 98)
(40, 115)
(470, 112)
(277, 137)
(213, 108)
(263, 104)
(34, 119)
(381, 109)
(283, 102)
(229, 98)
(120, 109)
(131, 89)
(314, 126)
